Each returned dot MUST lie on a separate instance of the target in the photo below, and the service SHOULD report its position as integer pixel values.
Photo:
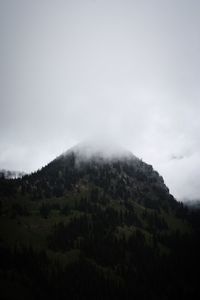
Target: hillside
(96, 224)
(11, 174)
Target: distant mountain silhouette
(8, 174)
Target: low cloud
(177, 157)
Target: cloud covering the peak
(127, 69)
(100, 147)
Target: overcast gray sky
(69, 69)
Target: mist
(127, 69)
(100, 148)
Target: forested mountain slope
(96, 225)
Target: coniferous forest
(96, 230)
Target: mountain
(117, 172)
(192, 204)
(11, 174)
(96, 223)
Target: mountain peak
(103, 148)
